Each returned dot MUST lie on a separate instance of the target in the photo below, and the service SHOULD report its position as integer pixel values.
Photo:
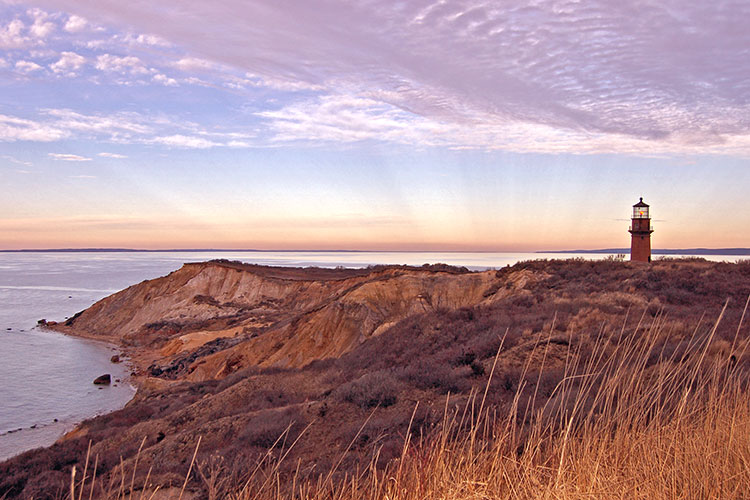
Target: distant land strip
(664, 251)
(29, 250)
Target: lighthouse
(640, 231)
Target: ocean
(46, 377)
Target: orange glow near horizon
(516, 209)
(323, 234)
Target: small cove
(47, 386)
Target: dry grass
(629, 422)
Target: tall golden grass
(626, 422)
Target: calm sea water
(46, 378)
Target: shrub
(477, 369)
(372, 389)
(466, 358)
(264, 429)
(434, 375)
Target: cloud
(75, 24)
(280, 83)
(42, 26)
(194, 63)
(19, 129)
(116, 125)
(119, 128)
(164, 80)
(83, 223)
(346, 119)
(97, 44)
(242, 79)
(121, 64)
(68, 64)
(12, 159)
(4, 63)
(183, 141)
(27, 66)
(666, 75)
(11, 35)
(239, 144)
(112, 155)
(68, 157)
(82, 176)
(349, 119)
(146, 39)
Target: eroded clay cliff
(207, 320)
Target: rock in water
(105, 379)
(115, 359)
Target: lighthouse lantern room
(640, 230)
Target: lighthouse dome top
(640, 210)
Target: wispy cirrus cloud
(112, 155)
(347, 119)
(15, 160)
(351, 119)
(671, 75)
(184, 141)
(122, 124)
(13, 128)
(195, 63)
(67, 157)
(119, 128)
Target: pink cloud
(75, 24)
(68, 64)
(11, 35)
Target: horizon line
(662, 251)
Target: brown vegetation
(576, 379)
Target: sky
(373, 125)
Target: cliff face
(210, 319)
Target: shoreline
(129, 356)
(42, 433)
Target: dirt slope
(208, 320)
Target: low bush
(434, 375)
(263, 430)
(380, 388)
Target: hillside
(238, 355)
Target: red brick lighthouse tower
(640, 229)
